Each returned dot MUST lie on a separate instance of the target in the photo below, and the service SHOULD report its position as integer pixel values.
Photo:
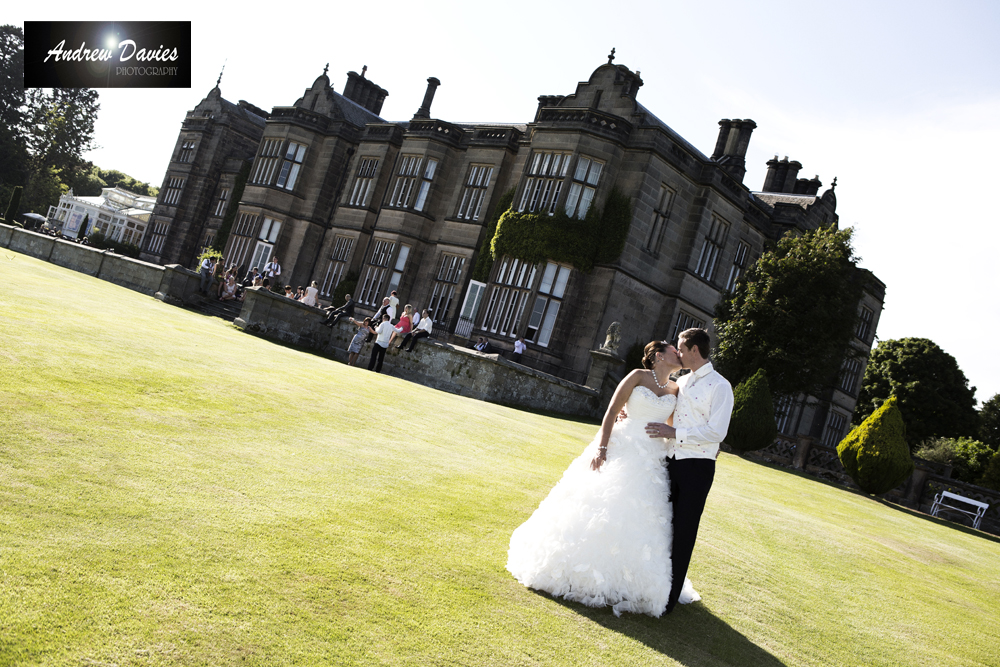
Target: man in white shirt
(383, 333)
(272, 269)
(701, 421)
(206, 274)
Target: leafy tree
(15, 201)
(968, 458)
(793, 314)
(875, 454)
(113, 178)
(991, 478)
(752, 426)
(989, 422)
(932, 391)
(13, 153)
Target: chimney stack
(425, 108)
(731, 146)
(365, 93)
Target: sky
(897, 100)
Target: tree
(12, 205)
(875, 454)
(932, 391)
(793, 314)
(989, 423)
(752, 426)
(13, 153)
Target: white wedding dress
(603, 538)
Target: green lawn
(176, 492)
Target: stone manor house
(332, 190)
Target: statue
(613, 339)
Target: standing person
(701, 421)
(334, 314)
(422, 330)
(206, 275)
(272, 270)
(519, 348)
(382, 335)
(377, 317)
(354, 349)
(599, 538)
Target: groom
(701, 420)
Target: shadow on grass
(691, 635)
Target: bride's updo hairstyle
(649, 353)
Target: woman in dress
(312, 295)
(354, 349)
(602, 536)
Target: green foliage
(793, 313)
(989, 423)
(991, 478)
(87, 182)
(752, 426)
(83, 226)
(346, 286)
(12, 205)
(115, 179)
(210, 253)
(875, 453)
(234, 204)
(99, 240)
(599, 237)
(967, 457)
(932, 391)
(484, 263)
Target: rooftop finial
(326, 68)
(833, 186)
(219, 80)
(364, 69)
(611, 56)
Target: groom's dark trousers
(690, 482)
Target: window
(547, 302)
(660, 215)
(267, 162)
(209, 239)
(241, 239)
(187, 151)
(266, 239)
(711, 248)
(850, 374)
(402, 192)
(220, 206)
(364, 183)
(338, 265)
(446, 282)
(545, 180)
(473, 297)
(291, 165)
(475, 192)
(583, 188)
(834, 429)
(739, 265)
(425, 184)
(374, 277)
(157, 238)
(783, 414)
(397, 270)
(865, 323)
(173, 194)
(685, 322)
(511, 289)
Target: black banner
(107, 54)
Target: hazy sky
(898, 100)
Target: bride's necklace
(657, 380)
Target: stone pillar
(801, 457)
(915, 487)
(602, 361)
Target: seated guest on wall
(250, 280)
(288, 292)
(405, 324)
(311, 296)
(422, 330)
(333, 315)
(229, 289)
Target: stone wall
(433, 363)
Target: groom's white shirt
(701, 418)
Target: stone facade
(216, 137)
(337, 192)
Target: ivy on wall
(597, 239)
(485, 261)
(234, 204)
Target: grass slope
(173, 491)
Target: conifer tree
(875, 453)
(752, 426)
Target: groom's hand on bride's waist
(660, 430)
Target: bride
(603, 534)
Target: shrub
(875, 453)
(346, 286)
(99, 240)
(991, 478)
(967, 457)
(752, 426)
